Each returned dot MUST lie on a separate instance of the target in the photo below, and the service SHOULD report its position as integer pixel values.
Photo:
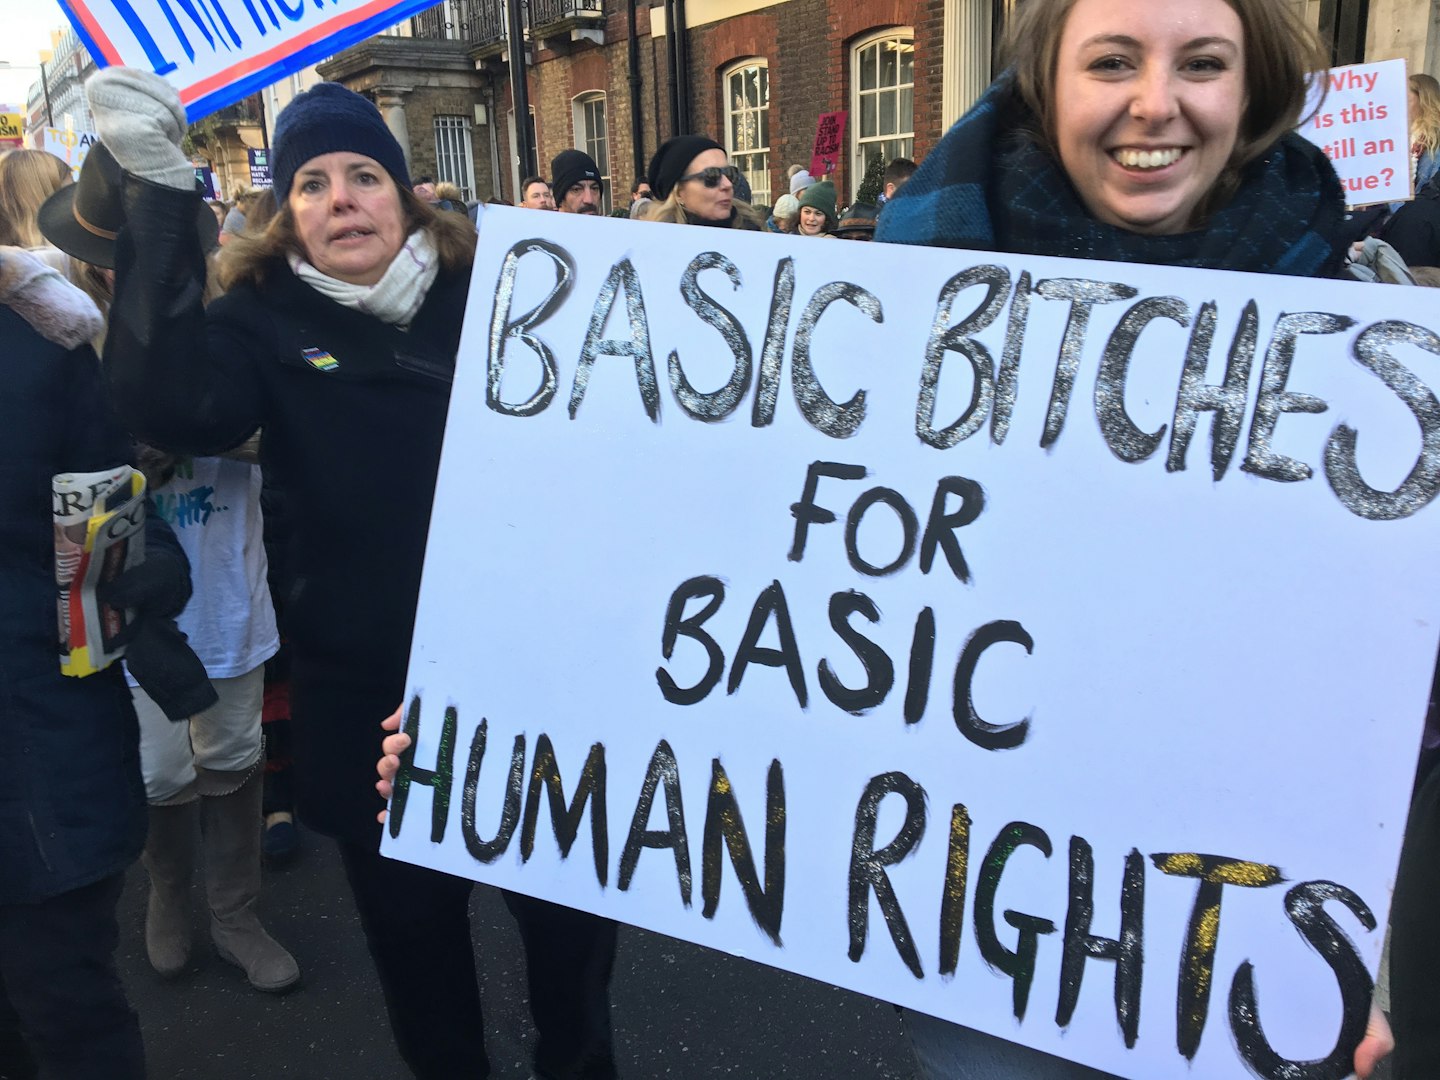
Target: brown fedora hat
(83, 219)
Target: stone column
(965, 57)
(391, 102)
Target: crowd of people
(691, 181)
(1143, 133)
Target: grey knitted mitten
(138, 116)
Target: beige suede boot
(231, 837)
(169, 859)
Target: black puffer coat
(353, 411)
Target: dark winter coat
(1414, 231)
(72, 808)
(353, 411)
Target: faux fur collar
(41, 296)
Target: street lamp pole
(520, 90)
(45, 89)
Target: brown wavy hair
(252, 259)
(1281, 52)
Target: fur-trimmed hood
(41, 296)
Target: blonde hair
(1425, 124)
(669, 210)
(27, 179)
(1281, 52)
(253, 258)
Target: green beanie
(821, 197)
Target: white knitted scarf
(396, 298)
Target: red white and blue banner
(218, 51)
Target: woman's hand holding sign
(391, 747)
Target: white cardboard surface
(1236, 667)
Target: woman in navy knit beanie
(338, 336)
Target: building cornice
(705, 12)
(430, 54)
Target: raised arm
(180, 381)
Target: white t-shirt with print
(213, 504)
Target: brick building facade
(754, 74)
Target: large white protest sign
(1037, 643)
(1363, 126)
(218, 51)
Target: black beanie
(671, 160)
(569, 168)
(326, 119)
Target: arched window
(590, 136)
(882, 82)
(746, 88)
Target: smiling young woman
(1156, 132)
(1140, 132)
(1153, 101)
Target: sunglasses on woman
(711, 177)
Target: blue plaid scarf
(988, 187)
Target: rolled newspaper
(99, 533)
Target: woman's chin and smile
(1147, 189)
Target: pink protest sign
(829, 144)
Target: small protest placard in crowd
(1363, 126)
(12, 127)
(218, 51)
(205, 177)
(260, 175)
(829, 144)
(1037, 643)
(68, 145)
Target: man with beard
(576, 183)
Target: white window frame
(585, 139)
(902, 140)
(455, 153)
(753, 160)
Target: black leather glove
(159, 587)
(156, 652)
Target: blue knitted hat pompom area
(327, 119)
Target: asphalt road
(679, 1010)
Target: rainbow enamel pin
(319, 359)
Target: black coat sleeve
(180, 380)
(1414, 232)
(94, 439)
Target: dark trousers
(1415, 937)
(62, 991)
(417, 925)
